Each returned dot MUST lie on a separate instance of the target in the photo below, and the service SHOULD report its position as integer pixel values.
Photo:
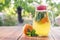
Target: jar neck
(41, 10)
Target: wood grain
(23, 37)
(10, 33)
(14, 33)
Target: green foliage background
(4, 4)
(25, 4)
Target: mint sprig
(31, 33)
(39, 16)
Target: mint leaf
(31, 33)
(39, 16)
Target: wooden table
(15, 33)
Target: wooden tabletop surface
(15, 33)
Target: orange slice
(45, 19)
(26, 27)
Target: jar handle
(52, 18)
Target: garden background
(8, 8)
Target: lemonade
(41, 22)
(41, 29)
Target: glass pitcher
(41, 22)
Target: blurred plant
(25, 5)
(10, 20)
(10, 17)
(4, 4)
(1, 23)
(54, 7)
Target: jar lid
(42, 7)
